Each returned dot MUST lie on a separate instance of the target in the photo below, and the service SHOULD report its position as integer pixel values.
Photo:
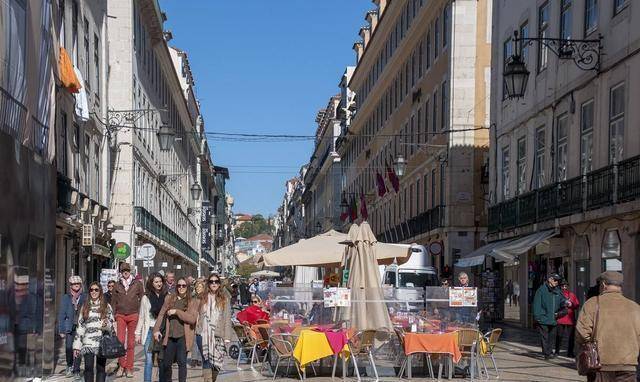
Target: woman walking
(95, 318)
(150, 307)
(179, 313)
(215, 326)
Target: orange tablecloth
(446, 343)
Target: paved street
(517, 358)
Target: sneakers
(69, 372)
(77, 377)
(129, 374)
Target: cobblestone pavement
(517, 356)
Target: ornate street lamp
(166, 136)
(584, 53)
(196, 191)
(400, 165)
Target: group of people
(607, 317)
(167, 317)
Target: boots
(214, 374)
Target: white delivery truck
(417, 272)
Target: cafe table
(432, 343)
(315, 344)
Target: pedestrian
(446, 272)
(546, 303)
(126, 299)
(68, 315)
(179, 314)
(516, 292)
(463, 280)
(253, 288)
(198, 292)
(215, 317)
(444, 283)
(567, 322)
(171, 282)
(95, 319)
(509, 291)
(245, 296)
(616, 331)
(150, 306)
(111, 284)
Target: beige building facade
(565, 157)
(422, 85)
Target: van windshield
(415, 279)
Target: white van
(417, 272)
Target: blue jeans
(148, 359)
(205, 362)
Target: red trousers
(126, 330)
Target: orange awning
(67, 75)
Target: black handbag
(111, 347)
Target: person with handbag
(215, 326)
(179, 314)
(126, 299)
(68, 314)
(567, 322)
(547, 302)
(150, 307)
(608, 333)
(96, 318)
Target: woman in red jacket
(567, 322)
(253, 313)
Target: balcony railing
(14, 121)
(148, 222)
(594, 190)
(64, 194)
(418, 225)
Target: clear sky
(264, 67)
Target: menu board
(340, 297)
(461, 296)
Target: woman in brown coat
(179, 314)
(215, 327)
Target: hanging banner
(205, 226)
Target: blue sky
(264, 67)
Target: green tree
(256, 226)
(245, 270)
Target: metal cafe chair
(248, 340)
(468, 344)
(403, 366)
(283, 350)
(491, 339)
(362, 343)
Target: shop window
(611, 257)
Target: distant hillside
(256, 226)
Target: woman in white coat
(150, 306)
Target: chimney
(382, 6)
(372, 18)
(365, 33)
(358, 47)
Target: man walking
(126, 299)
(546, 303)
(617, 330)
(68, 321)
(171, 282)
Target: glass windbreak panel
(416, 279)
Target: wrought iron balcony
(145, 220)
(599, 188)
(418, 225)
(14, 121)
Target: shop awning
(505, 250)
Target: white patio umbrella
(265, 273)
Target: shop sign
(147, 263)
(205, 224)
(121, 251)
(345, 276)
(146, 252)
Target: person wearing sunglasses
(68, 320)
(95, 319)
(215, 327)
(179, 314)
(253, 312)
(150, 308)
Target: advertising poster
(461, 297)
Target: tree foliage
(245, 270)
(256, 226)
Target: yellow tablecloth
(312, 346)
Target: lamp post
(400, 165)
(584, 53)
(126, 119)
(196, 191)
(166, 136)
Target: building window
(505, 173)
(446, 23)
(507, 52)
(562, 147)
(62, 146)
(524, 33)
(619, 5)
(443, 185)
(590, 16)
(74, 31)
(444, 113)
(522, 165)
(96, 171)
(87, 168)
(539, 158)
(611, 257)
(427, 51)
(425, 197)
(96, 63)
(433, 188)
(436, 37)
(87, 53)
(543, 32)
(434, 113)
(586, 137)
(420, 58)
(61, 13)
(616, 123)
(565, 19)
(418, 193)
(426, 121)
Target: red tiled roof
(261, 237)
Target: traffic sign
(146, 252)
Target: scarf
(156, 301)
(126, 282)
(213, 348)
(75, 298)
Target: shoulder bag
(588, 359)
(110, 346)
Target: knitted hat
(75, 280)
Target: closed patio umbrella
(367, 311)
